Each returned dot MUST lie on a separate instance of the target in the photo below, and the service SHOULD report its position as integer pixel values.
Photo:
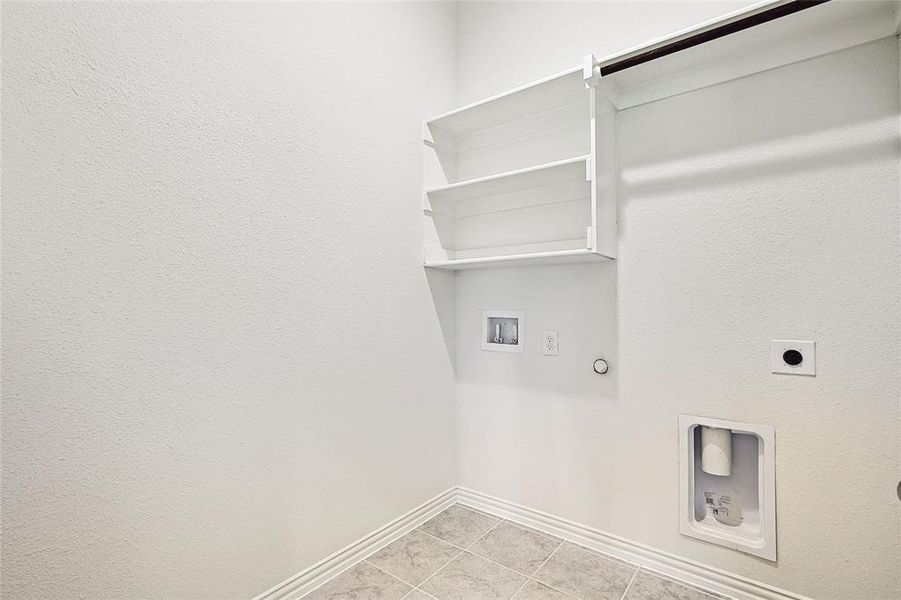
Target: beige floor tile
(458, 525)
(471, 577)
(418, 595)
(538, 591)
(527, 528)
(646, 586)
(361, 582)
(586, 574)
(521, 550)
(414, 557)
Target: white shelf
(811, 32)
(534, 258)
(545, 96)
(514, 179)
(540, 123)
(569, 170)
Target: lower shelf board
(516, 260)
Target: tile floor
(463, 554)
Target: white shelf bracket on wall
(591, 73)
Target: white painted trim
(312, 577)
(682, 569)
(670, 565)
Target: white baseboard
(682, 569)
(311, 578)
(675, 567)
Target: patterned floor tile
(521, 550)
(471, 577)
(361, 582)
(646, 586)
(414, 557)
(586, 574)
(459, 525)
(538, 591)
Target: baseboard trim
(670, 565)
(675, 567)
(312, 577)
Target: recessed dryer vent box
(502, 330)
(728, 484)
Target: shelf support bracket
(591, 73)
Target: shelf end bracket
(591, 73)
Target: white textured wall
(765, 208)
(221, 358)
(208, 384)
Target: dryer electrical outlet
(793, 357)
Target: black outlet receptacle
(792, 357)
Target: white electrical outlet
(549, 343)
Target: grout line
(532, 577)
(440, 540)
(547, 560)
(485, 558)
(518, 524)
(481, 537)
(477, 510)
(493, 527)
(547, 536)
(441, 568)
(486, 532)
(684, 584)
(604, 555)
(529, 529)
(387, 573)
(626, 591)
(529, 577)
(416, 589)
(560, 542)
(494, 562)
(383, 546)
(519, 589)
(499, 520)
(453, 558)
(550, 587)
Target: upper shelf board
(811, 32)
(545, 95)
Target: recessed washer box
(502, 330)
(737, 510)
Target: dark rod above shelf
(711, 34)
